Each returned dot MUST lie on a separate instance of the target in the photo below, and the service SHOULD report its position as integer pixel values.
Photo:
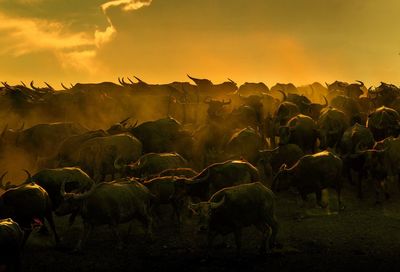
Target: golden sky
(162, 40)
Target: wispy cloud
(75, 49)
(30, 35)
(109, 33)
(126, 5)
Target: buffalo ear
(216, 205)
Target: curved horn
(119, 80)
(192, 78)
(326, 102)
(33, 86)
(124, 82)
(215, 205)
(138, 79)
(1, 181)
(132, 127)
(269, 150)
(327, 85)
(130, 80)
(231, 81)
(28, 174)
(203, 179)
(359, 81)
(283, 94)
(48, 85)
(65, 88)
(123, 122)
(23, 83)
(86, 194)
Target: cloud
(127, 5)
(102, 37)
(30, 35)
(66, 36)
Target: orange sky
(162, 40)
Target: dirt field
(363, 236)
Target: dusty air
(150, 135)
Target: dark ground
(364, 236)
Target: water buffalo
(218, 176)
(231, 209)
(384, 122)
(244, 144)
(216, 108)
(312, 174)
(97, 155)
(180, 172)
(300, 130)
(68, 152)
(284, 87)
(52, 179)
(285, 111)
(356, 138)
(151, 164)
(163, 188)
(249, 88)
(331, 125)
(26, 204)
(206, 86)
(384, 95)
(109, 204)
(40, 140)
(351, 107)
(11, 239)
(164, 135)
(272, 160)
(369, 163)
(354, 90)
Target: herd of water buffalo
(217, 151)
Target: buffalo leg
(238, 241)
(304, 198)
(147, 222)
(177, 208)
(266, 232)
(273, 224)
(27, 232)
(318, 194)
(338, 193)
(114, 229)
(71, 219)
(210, 239)
(49, 218)
(84, 236)
(359, 185)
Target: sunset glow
(161, 41)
